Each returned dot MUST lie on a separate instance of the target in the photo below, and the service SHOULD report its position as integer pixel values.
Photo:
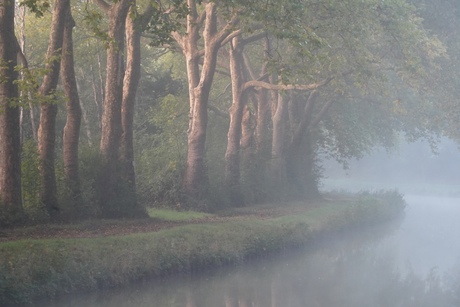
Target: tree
(441, 88)
(48, 110)
(71, 135)
(135, 25)
(232, 154)
(199, 84)
(219, 23)
(10, 160)
(375, 39)
(130, 84)
(111, 116)
(117, 180)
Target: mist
(411, 168)
(411, 261)
(224, 115)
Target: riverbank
(30, 268)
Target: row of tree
(299, 79)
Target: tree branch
(103, 5)
(280, 87)
(226, 31)
(230, 37)
(320, 115)
(253, 38)
(218, 111)
(247, 63)
(22, 58)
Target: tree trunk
(263, 110)
(278, 167)
(232, 154)
(110, 204)
(310, 174)
(262, 121)
(301, 153)
(72, 128)
(247, 135)
(130, 85)
(84, 115)
(10, 148)
(47, 126)
(195, 178)
(101, 87)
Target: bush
(31, 182)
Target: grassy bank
(46, 268)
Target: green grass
(176, 216)
(46, 268)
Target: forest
(111, 107)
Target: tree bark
(195, 175)
(10, 148)
(109, 201)
(72, 128)
(263, 109)
(48, 108)
(232, 154)
(278, 167)
(247, 134)
(195, 178)
(262, 121)
(23, 60)
(301, 153)
(130, 85)
(305, 120)
(84, 115)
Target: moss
(45, 268)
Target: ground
(100, 228)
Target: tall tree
(135, 25)
(300, 150)
(130, 85)
(111, 115)
(48, 110)
(72, 127)
(199, 83)
(232, 154)
(10, 159)
(117, 181)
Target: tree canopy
(213, 103)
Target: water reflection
(363, 268)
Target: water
(429, 236)
(413, 262)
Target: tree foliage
(262, 88)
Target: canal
(411, 262)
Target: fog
(408, 262)
(429, 240)
(430, 180)
(413, 261)
(412, 168)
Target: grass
(176, 216)
(30, 269)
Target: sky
(410, 168)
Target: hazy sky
(410, 165)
